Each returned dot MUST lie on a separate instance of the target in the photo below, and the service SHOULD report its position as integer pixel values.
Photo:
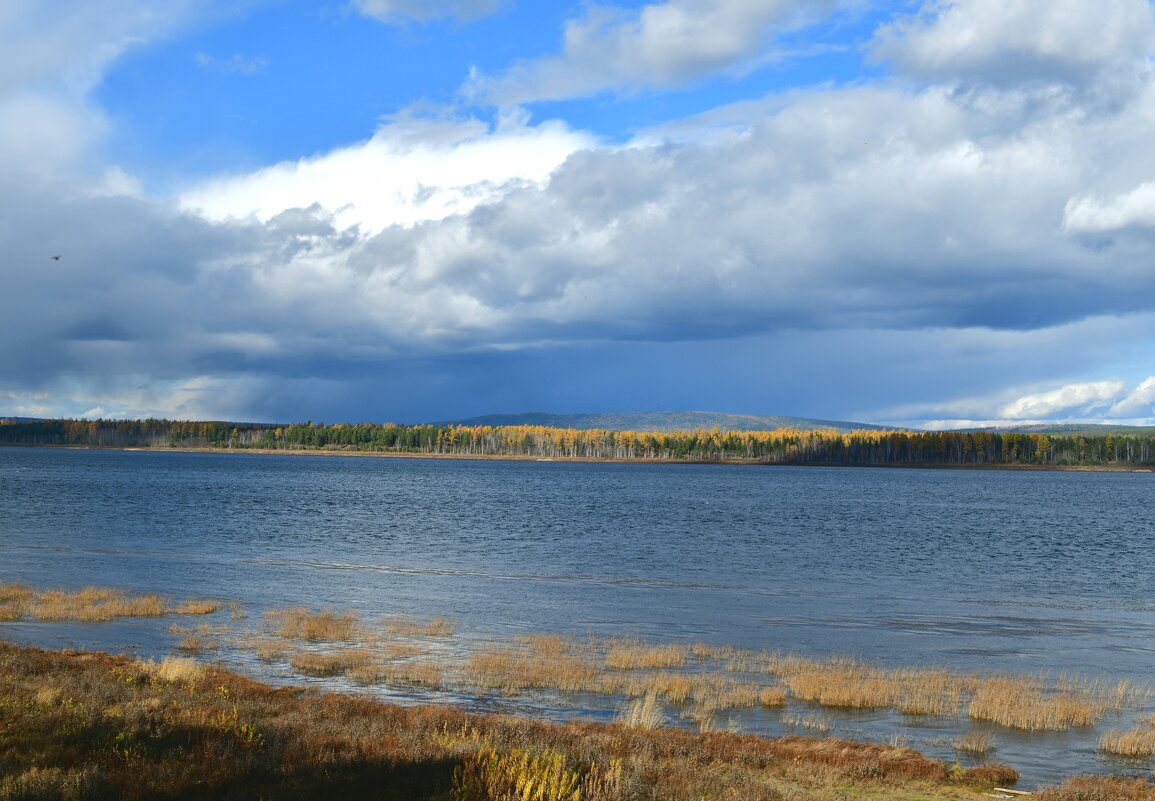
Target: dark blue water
(997, 571)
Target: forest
(785, 446)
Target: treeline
(782, 446)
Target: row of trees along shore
(782, 446)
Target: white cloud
(51, 57)
(394, 11)
(661, 45)
(412, 170)
(1078, 398)
(1006, 42)
(1139, 402)
(1092, 215)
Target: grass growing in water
(92, 604)
(1135, 743)
(106, 727)
(304, 624)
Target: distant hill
(658, 421)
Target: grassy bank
(90, 725)
(85, 725)
(96, 726)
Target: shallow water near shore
(984, 571)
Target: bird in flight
(56, 258)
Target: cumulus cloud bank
(660, 45)
(989, 207)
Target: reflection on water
(980, 571)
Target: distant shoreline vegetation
(785, 446)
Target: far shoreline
(591, 459)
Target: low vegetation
(96, 726)
(93, 604)
(663, 690)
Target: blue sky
(915, 213)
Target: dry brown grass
(629, 654)
(1135, 743)
(513, 669)
(267, 649)
(91, 604)
(1099, 788)
(329, 663)
(772, 697)
(223, 736)
(1027, 703)
(174, 669)
(198, 606)
(546, 776)
(419, 674)
(549, 644)
(398, 626)
(305, 624)
(643, 713)
(974, 742)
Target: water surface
(995, 571)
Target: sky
(925, 214)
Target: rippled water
(994, 571)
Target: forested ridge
(781, 446)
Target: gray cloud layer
(1006, 220)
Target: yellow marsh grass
(772, 697)
(626, 654)
(545, 776)
(1026, 703)
(304, 624)
(198, 606)
(400, 650)
(1137, 743)
(512, 669)
(332, 663)
(643, 713)
(268, 649)
(409, 627)
(91, 604)
(174, 669)
(412, 674)
(975, 742)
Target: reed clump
(329, 663)
(643, 713)
(545, 776)
(1027, 703)
(513, 669)
(1134, 743)
(305, 624)
(417, 673)
(198, 606)
(400, 650)
(843, 683)
(411, 627)
(628, 654)
(91, 604)
(14, 600)
(974, 742)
